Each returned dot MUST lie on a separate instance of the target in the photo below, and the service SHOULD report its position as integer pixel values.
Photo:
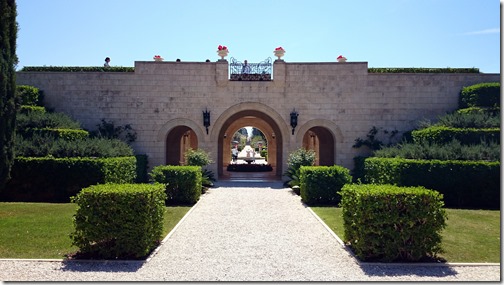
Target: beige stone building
(336, 103)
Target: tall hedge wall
(45, 179)
(464, 184)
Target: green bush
(108, 130)
(77, 69)
(480, 110)
(474, 119)
(453, 150)
(421, 70)
(29, 95)
(480, 95)
(319, 185)
(42, 145)
(197, 157)
(389, 223)
(183, 183)
(298, 158)
(45, 179)
(441, 134)
(464, 184)
(201, 158)
(26, 109)
(118, 221)
(64, 134)
(38, 120)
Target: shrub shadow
(102, 265)
(421, 270)
(249, 184)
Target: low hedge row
(65, 134)
(183, 183)
(26, 109)
(319, 185)
(77, 69)
(421, 70)
(442, 134)
(390, 223)
(46, 179)
(118, 221)
(464, 184)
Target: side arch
(323, 136)
(168, 126)
(178, 136)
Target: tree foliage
(8, 102)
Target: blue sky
(384, 33)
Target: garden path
(253, 231)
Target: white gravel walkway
(244, 233)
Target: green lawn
(41, 230)
(470, 235)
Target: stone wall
(342, 97)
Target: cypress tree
(8, 101)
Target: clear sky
(384, 33)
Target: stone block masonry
(342, 98)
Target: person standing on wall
(107, 60)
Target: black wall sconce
(206, 119)
(294, 119)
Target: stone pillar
(221, 72)
(279, 73)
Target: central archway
(258, 116)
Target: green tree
(8, 102)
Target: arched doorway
(178, 141)
(321, 141)
(259, 120)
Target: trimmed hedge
(45, 179)
(64, 134)
(495, 111)
(118, 221)
(442, 134)
(319, 185)
(43, 146)
(26, 109)
(389, 223)
(480, 95)
(464, 184)
(421, 70)
(77, 69)
(45, 120)
(183, 183)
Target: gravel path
(244, 233)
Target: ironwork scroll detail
(247, 71)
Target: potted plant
(341, 58)
(158, 58)
(222, 51)
(279, 52)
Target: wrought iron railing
(246, 71)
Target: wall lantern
(294, 119)
(206, 119)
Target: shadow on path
(408, 270)
(244, 183)
(102, 266)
